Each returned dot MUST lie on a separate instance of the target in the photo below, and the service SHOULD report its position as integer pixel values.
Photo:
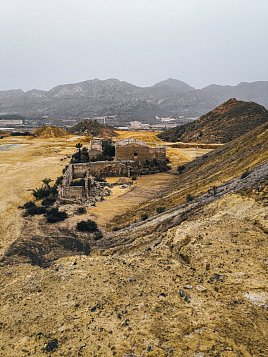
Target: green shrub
(160, 209)
(189, 198)
(59, 180)
(181, 169)
(144, 216)
(115, 229)
(87, 226)
(81, 210)
(49, 201)
(54, 215)
(32, 209)
(40, 193)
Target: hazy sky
(50, 42)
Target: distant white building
(13, 122)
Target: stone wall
(102, 168)
(139, 153)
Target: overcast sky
(50, 42)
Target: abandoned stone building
(136, 150)
(128, 149)
(132, 158)
(79, 180)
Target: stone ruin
(136, 150)
(132, 158)
(80, 181)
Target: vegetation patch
(54, 215)
(87, 226)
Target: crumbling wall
(102, 168)
(139, 153)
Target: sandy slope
(153, 303)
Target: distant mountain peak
(175, 84)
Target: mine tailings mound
(50, 132)
(93, 128)
(223, 124)
(232, 160)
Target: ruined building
(136, 150)
(132, 158)
(95, 148)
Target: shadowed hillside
(223, 124)
(213, 169)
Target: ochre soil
(197, 290)
(23, 168)
(151, 302)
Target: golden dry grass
(23, 168)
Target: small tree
(79, 147)
(144, 216)
(46, 182)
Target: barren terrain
(191, 282)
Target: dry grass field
(26, 161)
(198, 289)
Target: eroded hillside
(223, 124)
(188, 282)
(210, 170)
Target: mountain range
(125, 101)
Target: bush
(181, 169)
(81, 210)
(54, 215)
(32, 209)
(49, 201)
(115, 229)
(87, 226)
(144, 216)
(160, 209)
(59, 180)
(40, 193)
(98, 235)
(189, 198)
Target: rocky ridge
(223, 124)
(125, 101)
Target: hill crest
(92, 128)
(224, 123)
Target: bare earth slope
(50, 132)
(93, 128)
(212, 169)
(198, 288)
(189, 282)
(223, 124)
